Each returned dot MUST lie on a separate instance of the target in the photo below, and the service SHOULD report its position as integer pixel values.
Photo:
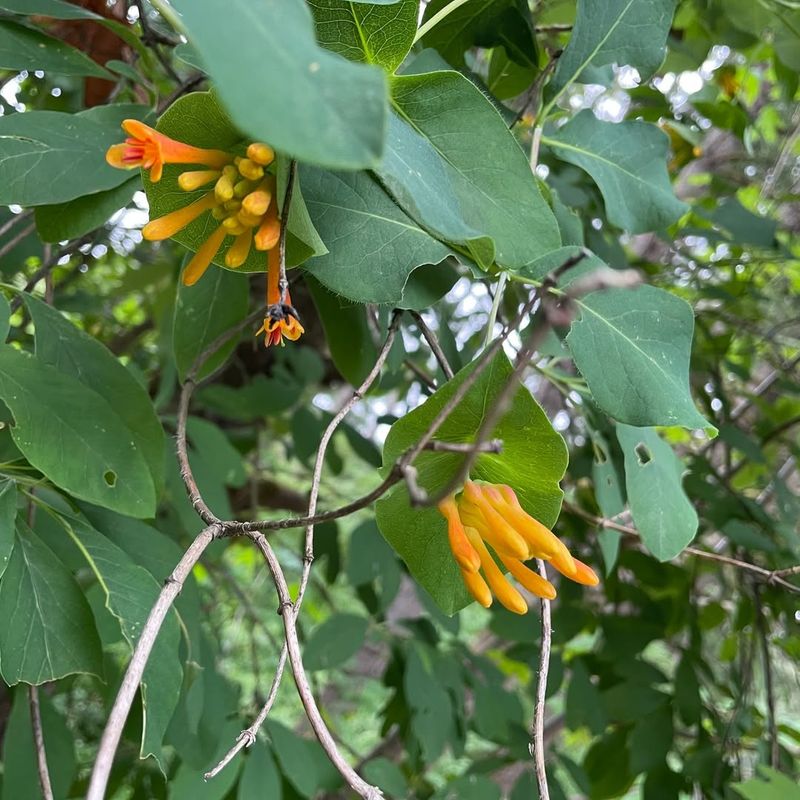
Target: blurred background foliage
(671, 680)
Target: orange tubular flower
(281, 320)
(490, 514)
(149, 149)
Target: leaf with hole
(75, 353)
(72, 434)
(661, 511)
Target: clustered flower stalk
(488, 515)
(241, 200)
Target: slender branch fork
(555, 309)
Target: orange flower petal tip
(585, 574)
(477, 587)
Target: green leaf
(430, 704)
(199, 119)
(20, 770)
(386, 774)
(374, 246)
(8, 516)
(210, 440)
(485, 23)
(73, 219)
(130, 593)
(607, 765)
(73, 352)
(70, 433)
(661, 511)
(770, 785)
(342, 118)
(371, 33)
(5, 318)
(56, 9)
(633, 348)
(48, 630)
(628, 161)
(260, 777)
(216, 303)
(583, 704)
(292, 753)
(27, 48)
(346, 331)
(533, 462)
(335, 641)
(454, 166)
(632, 32)
(506, 78)
(49, 157)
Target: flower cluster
(241, 198)
(490, 514)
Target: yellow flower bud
(261, 153)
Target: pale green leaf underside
(454, 166)
(633, 348)
(628, 161)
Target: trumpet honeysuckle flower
(241, 197)
(281, 320)
(490, 514)
(149, 149)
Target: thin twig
(38, 740)
(286, 610)
(492, 446)
(770, 576)
(498, 297)
(15, 219)
(144, 646)
(537, 745)
(247, 737)
(12, 243)
(190, 83)
(433, 343)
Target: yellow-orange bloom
(149, 149)
(281, 321)
(490, 514)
